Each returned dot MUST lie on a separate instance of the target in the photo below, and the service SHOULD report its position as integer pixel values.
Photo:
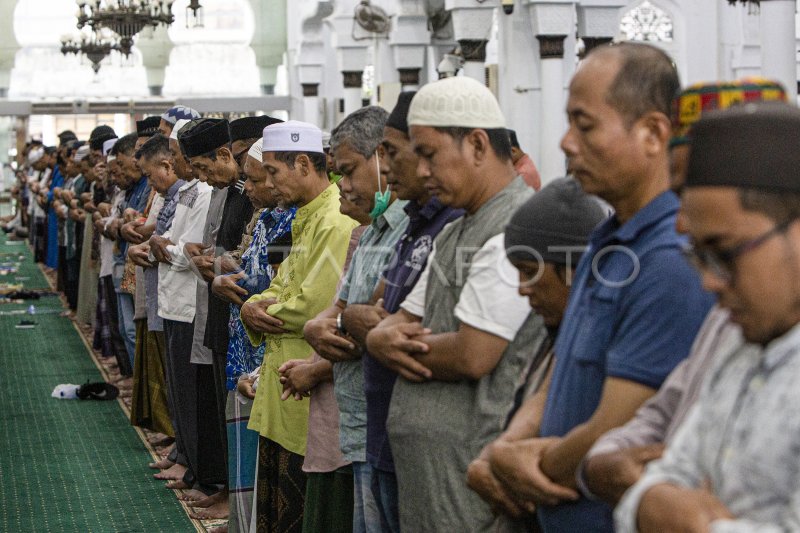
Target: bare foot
(215, 512)
(220, 529)
(175, 472)
(209, 501)
(192, 496)
(162, 464)
(177, 484)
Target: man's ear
(224, 153)
(655, 132)
(302, 163)
(166, 164)
(477, 142)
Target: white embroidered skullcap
(177, 127)
(81, 153)
(292, 136)
(108, 145)
(256, 150)
(35, 155)
(456, 102)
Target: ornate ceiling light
(96, 47)
(126, 18)
(197, 14)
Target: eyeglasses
(722, 263)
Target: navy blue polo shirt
(409, 260)
(634, 310)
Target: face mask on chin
(381, 198)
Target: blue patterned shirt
(243, 357)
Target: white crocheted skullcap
(456, 102)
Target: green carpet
(68, 465)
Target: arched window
(647, 22)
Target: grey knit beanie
(559, 216)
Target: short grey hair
(362, 130)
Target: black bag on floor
(98, 391)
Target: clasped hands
(202, 257)
(396, 346)
(508, 475)
(255, 316)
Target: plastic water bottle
(32, 310)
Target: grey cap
(561, 215)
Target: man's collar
(664, 205)
(428, 211)
(394, 215)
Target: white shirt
(177, 285)
(489, 300)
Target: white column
(519, 88)
(472, 27)
(779, 43)
(269, 39)
(408, 39)
(8, 45)
(351, 56)
(552, 159)
(352, 96)
(155, 46)
(552, 23)
(311, 109)
(598, 21)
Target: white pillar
(311, 109)
(552, 23)
(779, 43)
(269, 39)
(598, 21)
(472, 27)
(552, 55)
(408, 40)
(155, 46)
(351, 57)
(352, 98)
(8, 45)
(520, 88)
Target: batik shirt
(243, 357)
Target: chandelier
(96, 47)
(194, 6)
(126, 18)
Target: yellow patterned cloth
(304, 286)
(701, 98)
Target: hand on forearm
(517, 466)
(359, 319)
(481, 480)
(255, 316)
(610, 475)
(322, 334)
(392, 342)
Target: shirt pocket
(596, 327)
